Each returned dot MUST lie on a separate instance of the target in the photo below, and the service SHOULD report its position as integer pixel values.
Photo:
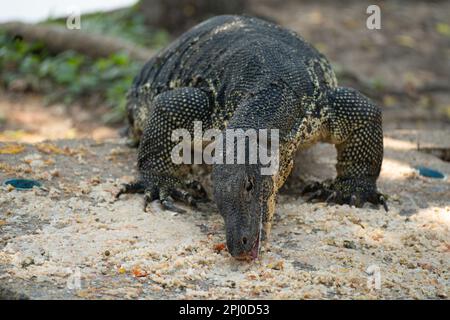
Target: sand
(71, 239)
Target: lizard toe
(167, 204)
(150, 195)
(311, 187)
(378, 199)
(133, 187)
(319, 195)
(184, 196)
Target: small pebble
(27, 262)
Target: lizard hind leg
(160, 177)
(354, 125)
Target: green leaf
(443, 29)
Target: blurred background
(57, 82)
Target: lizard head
(245, 199)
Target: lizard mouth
(255, 249)
(253, 253)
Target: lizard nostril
(244, 240)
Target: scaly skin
(242, 72)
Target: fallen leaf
(406, 41)
(12, 149)
(443, 29)
(279, 265)
(49, 148)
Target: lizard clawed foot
(313, 187)
(164, 193)
(344, 192)
(133, 187)
(167, 194)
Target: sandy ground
(70, 239)
(26, 118)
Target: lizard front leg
(354, 124)
(159, 175)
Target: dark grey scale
(170, 110)
(243, 72)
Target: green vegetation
(69, 76)
(125, 23)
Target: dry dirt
(73, 229)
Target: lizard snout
(243, 247)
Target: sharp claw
(331, 197)
(146, 203)
(118, 194)
(134, 187)
(149, 197)
(122, 191)
(383, 202)
(353, 201)
(184, 196)
(310, 188)
(333, 194)
(191, 201)
(315, 195)
(168, 205)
